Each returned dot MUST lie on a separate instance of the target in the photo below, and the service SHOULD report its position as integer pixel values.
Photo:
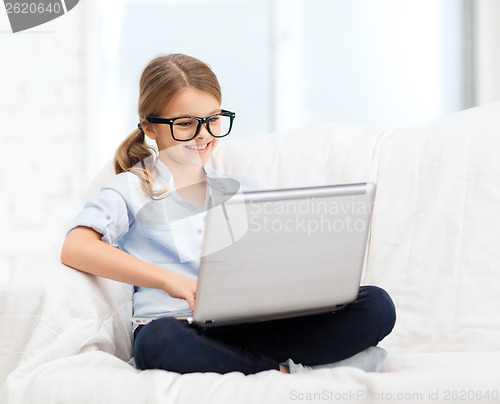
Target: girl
(145, 229)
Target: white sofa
(434, 246)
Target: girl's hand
(182, 287)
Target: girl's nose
(203, 132)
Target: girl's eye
(183, 123)
(214, 119)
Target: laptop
(282, 253)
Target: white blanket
(65, 335)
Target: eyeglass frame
(201, 121)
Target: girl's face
(188, 102)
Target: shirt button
(199, 231)
(108, 217)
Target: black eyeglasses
(186, 128)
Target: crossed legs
(175, 345)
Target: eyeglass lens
(185, 128)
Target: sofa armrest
(50, 311)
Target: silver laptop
(282, 253)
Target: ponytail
(132, 151)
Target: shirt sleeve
(106, 213)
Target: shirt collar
(165, 177)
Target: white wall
(42, 130)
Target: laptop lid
(280, 253)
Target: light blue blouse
(166, 232)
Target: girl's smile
(199, 148)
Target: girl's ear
(149, 130)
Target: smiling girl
(145, 228)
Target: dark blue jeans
(175, 345)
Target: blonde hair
(161, 80)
